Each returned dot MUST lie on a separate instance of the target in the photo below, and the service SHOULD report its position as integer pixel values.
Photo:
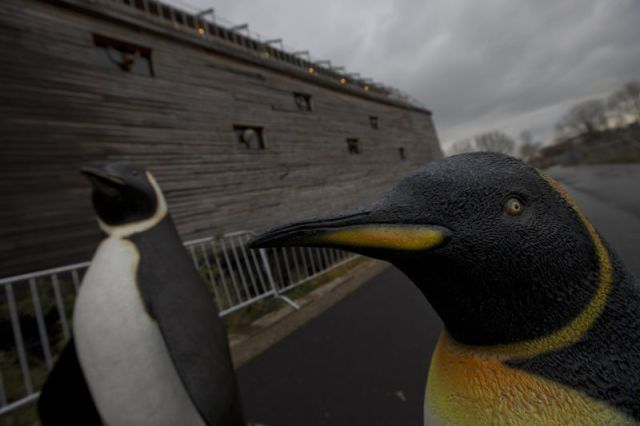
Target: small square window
(403, 153)
(166, 13)
(249, 136)
(123, 56)
(354, 146)
(302, 101)
(178, 17)
(373, 120)
(153, 7)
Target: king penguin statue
(542, 319)
(148, 347)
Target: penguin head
(501, 253)
(125, 196)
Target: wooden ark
(240, 135)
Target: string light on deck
(274, 41)
(200, 28)
(271, 42)
(264, 50)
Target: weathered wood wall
(59, 109)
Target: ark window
(373, 120)
(403, 153)
(123, 56)
(191, 23)
(153, 7)
(249, 136)
(302, 101)
(166, 13)
(178, 17)
(353, 145)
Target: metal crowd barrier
(36, 308)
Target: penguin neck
(510, 333)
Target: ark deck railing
(207, 26)
(36, 308)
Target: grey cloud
(477, 65)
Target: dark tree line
(586, 118)
(596, 115)
(497, 141)
(494, 140)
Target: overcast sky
(479, 66)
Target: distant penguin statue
(148, 347)
(542, 320)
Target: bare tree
(625, 103)
(496, 141)
(461, 146)
(562, 132)
(528, 147)
(585, 118)
(529, 150)
(525, 137)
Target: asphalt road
(365, 360)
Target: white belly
(120, 348)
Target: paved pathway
(365, 360)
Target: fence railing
(36, 308)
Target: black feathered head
(126, 197)
(499, 250)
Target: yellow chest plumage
(468, 387)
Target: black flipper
(65, 398)
(176, 297)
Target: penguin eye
(513, 207)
